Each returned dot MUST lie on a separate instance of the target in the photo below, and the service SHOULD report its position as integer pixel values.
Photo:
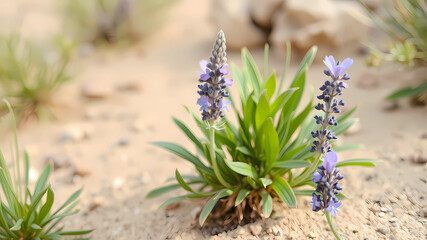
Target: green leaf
(35, 226)
(243, 169)
(241, 196)
(251, 72)
(45, 210)
(292, 164)
(72, 233)
(280, 101)
(307, 60)
(185, 154)
(159, 191)
(188, 132)
(265, 181)
(267, 204)
(364, 162)
(172, 200)
(345, 115)
(284, 190)
(265, 66)
(17, 225)
(407, 91)
(262, 110)
(271, 145)
(298, 120)
(244, 150)
(71, 199)
(286, 67)
(42, 181)
(211, 203)
(270, 85)
(188, 188)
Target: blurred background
(93, 82)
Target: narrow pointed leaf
(211, 203)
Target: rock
(238, 232)
(390, 106)
(75, 133)
(80, 169)
(117, 183)
(383, 209)
(255, 229)
(276, 230)
(305, 12)
(378, 198)
(375, 208)
(123, 141)
(59, 160)
(262, 11)
(98, 202)
(381, 214)
(393, 220)
(420, 159)
(97, 89)
(312, 235)
(235, 20)
(384, 230)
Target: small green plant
(267, 155)
(112, 21)
(406, 25)
(25, 215)
(30, 75)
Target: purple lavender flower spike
(206, 71)
(326, 179)
(330, 161)
(203, 101)
(333, 207)
(213, 90)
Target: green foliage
(405, 23)
(259, 156)
(30, 74)
(112, 21)
(27, 215)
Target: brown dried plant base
(226, 217)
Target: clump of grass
(112, 21)
(405, 23)
(24, 214)
(242, 168)
(30, 75)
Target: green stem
(332, 226)
(213, 156)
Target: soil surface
(104, 146)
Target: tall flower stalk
(331, 89)
(212, 92)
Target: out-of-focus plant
(242, 167)
(24, 214)
(406, 24)
(112, 21)
(30, 74)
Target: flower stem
(332, 226)
(213, 156)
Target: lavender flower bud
(213, 92)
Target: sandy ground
(109, 140)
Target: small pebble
(420, 159)
(383, 209)
(123, 141)
(374, 208)
(384, 230)
(393, 220)
(312, 235)
(381, 214)
(378, 198)
(255, 229)
(117, 183)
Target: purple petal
(228, 81)
(203, 64)
(338, 71)
(223, 69)
(330, 161)
(330, 63)
(203, 101)
(346, 64)
(316, 177)
(205, 76)
(344, 85)
(223, 104)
